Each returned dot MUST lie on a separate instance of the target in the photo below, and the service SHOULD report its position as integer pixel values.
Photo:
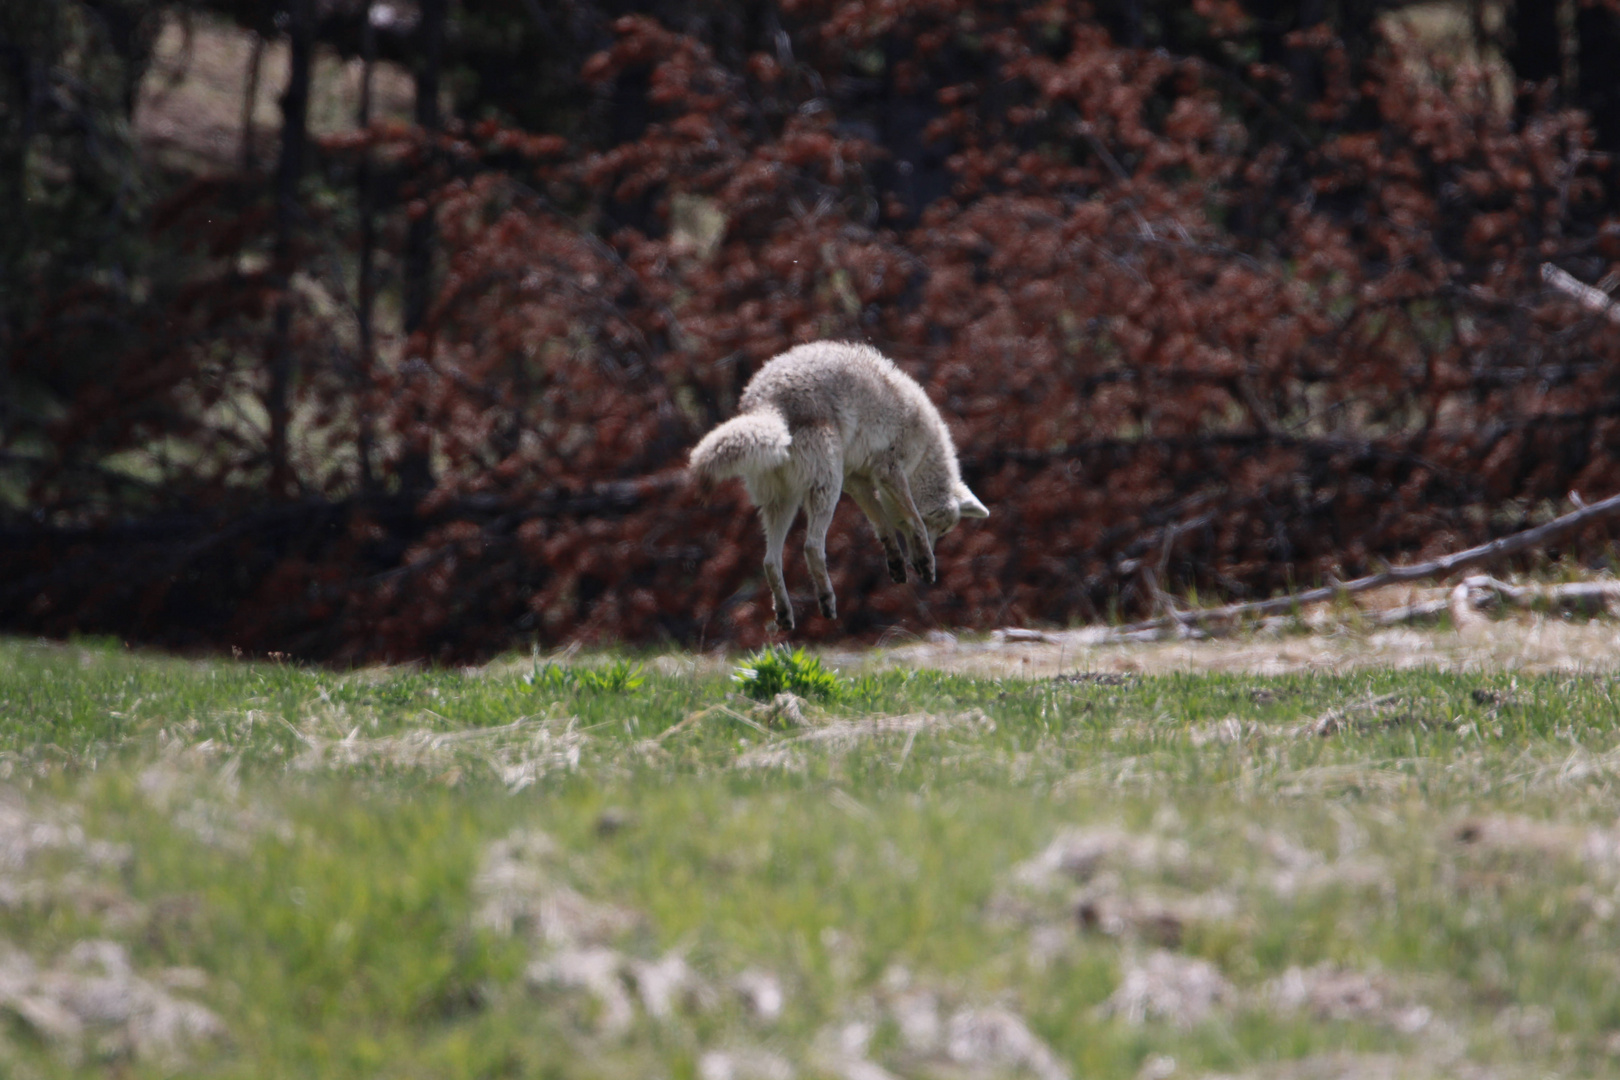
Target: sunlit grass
(319, 846)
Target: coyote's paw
(780, 604)
(923, 563)
(782, 608)
(829, 605)
(897, 569)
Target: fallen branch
(1019, 633)
(1477, 592)
(1594, 300)
(1420, 611)
(1184, 621)
(1586, 597)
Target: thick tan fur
(834, 416)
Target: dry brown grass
(1529, 643)
(1323, 641)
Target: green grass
(779, 670)
(317, 858)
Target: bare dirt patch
(1528, 643)
(1329, 992)
(935, 1040)
(93, 1003)
(1181, 990)
(89, 1003)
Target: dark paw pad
(897, 570)
(829, 606)
(925, 569)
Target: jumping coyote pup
(832, 416)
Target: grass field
(248, 869)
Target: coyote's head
(941, 512)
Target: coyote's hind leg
(777, 517)
(821, 461)
(818, 514)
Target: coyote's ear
(970, 506)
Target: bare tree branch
(1595, 300)
(1527, 540)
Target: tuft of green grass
(551, 677)
(616, 678)
(619, 677)
(772, 671)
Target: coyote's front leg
(895, 491)
(894, 550)
(865, 495)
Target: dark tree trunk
(1536, 48)
(20, 99)
(367, 290)
(132, 31)
(1276, 19)
(1358, 25)
(19, 110)
(1305, 65)
(1124, 21)
(415, 466)
(419, 239)
(1597, 56)
(289, 170)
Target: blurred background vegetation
(364, 330)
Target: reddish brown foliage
(1169, 326)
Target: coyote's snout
(834, 416)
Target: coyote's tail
(745, 444)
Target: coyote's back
(835, 416)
